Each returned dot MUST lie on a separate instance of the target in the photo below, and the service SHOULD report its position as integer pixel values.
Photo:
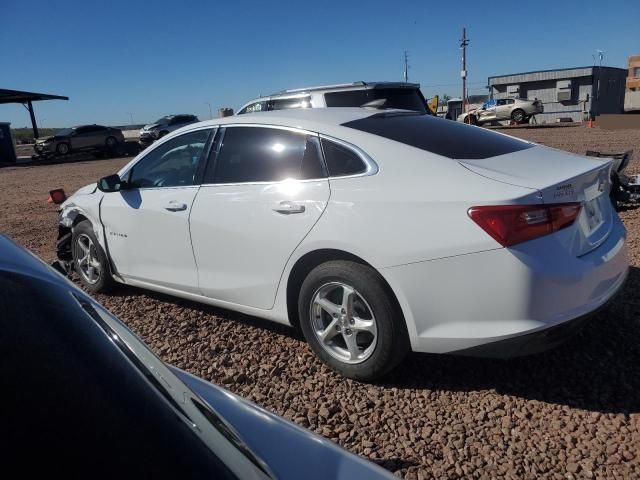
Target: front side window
(172, 164)
(341, 161)
(256, 154)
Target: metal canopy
(16, 96)
(25, 98)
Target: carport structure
(27, 99)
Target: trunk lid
(560, 177)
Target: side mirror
(111, 183)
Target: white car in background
(520, 110)
(376, 233)
(402, 95)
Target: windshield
(65, 132)
(162, 120)
(402, 98)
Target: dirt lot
(571, 413)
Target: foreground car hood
(289, 450)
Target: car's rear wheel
(62, 148)
(89, 260)
(518, 115)
(350, 320)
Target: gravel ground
(571, 413)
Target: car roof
(298, 92)
(322, 120)
(349, 86)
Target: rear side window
(401, 98)
(256, 154)
(341, 160)
(440, 136)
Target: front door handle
(174, 206)
(287, 208)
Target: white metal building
(566, 94)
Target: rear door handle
(174, 206)
(287, 208)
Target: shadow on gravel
(227, 315)
(597, 370)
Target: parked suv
(158, 129)
(520, 110)
(83, 137)
(406, 96)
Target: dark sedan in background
(83, 137)
(83, 397)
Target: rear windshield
(401, 98)
(437, 135)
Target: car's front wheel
(62, 148)
(89, 260)
(350, 320)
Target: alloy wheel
(343, 322)
(87, 258)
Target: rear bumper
(455, 304)
(532, 343)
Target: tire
(379, 339)
(518, 115)
(111, 143)
(471, 120)
(63, 149)
(99, 280)
(163, 133)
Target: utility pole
(405, 73)
(210, 112)
(130, 117)
(600, 54)
(464, 41)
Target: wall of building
(583, 99)
(545, 91)
(612, 88)
(633, 76)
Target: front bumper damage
(64, 263)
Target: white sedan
(374, 232)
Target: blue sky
(158, 57)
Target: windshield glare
(65, 132)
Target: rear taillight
(512, 224)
